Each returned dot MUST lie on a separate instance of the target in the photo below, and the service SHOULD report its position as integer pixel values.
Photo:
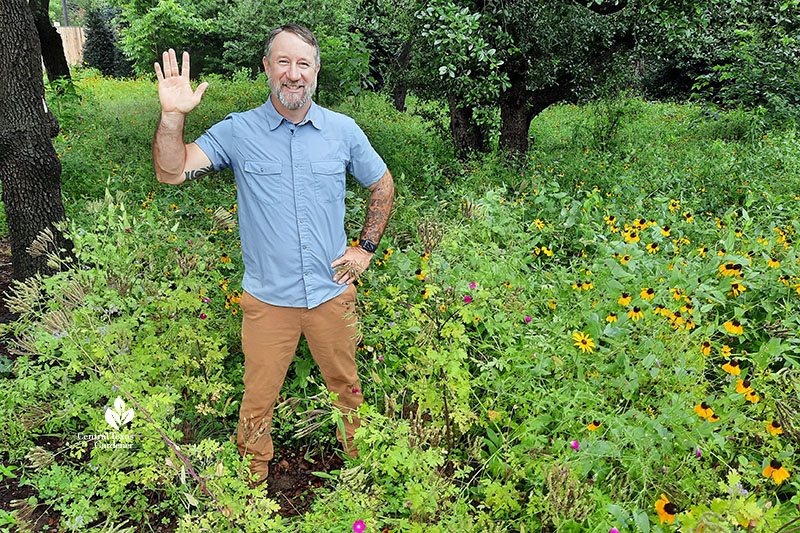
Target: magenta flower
(527, 319)
(380, 358)
(575, 445)
(206, 300)
(472, 285)
(698, 453)
(202, 316)
(359, 526)
(613, 530)
(467, 299)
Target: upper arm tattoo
(189, 175)
(378, 209)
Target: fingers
(185, 65)
(167, 67)
(159, 74)
(173, 63)
(200, 90)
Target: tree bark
(55, 61)
(515, 113)
(30, 171)
(467, 136)
(400, 87)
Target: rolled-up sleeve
(365, 165)
(216, 143)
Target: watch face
(368, 246)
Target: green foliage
(100, 49)
(345, 68)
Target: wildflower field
(599, 336)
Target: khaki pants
(269, 339)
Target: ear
(265, 61)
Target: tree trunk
(55, 62)
(515, 114)
(467, 136)
(30, 171)
(400, 87)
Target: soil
(290, 481)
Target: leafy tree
(100, 49)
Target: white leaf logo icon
(118, 416)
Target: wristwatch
(368, 245)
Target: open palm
(174, 87)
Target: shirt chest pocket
(264, 177)
(329, 179)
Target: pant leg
(330, 330)
(269, 341)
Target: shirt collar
(274, 119)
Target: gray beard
(291, 105)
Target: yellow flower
(426, 293)
(705, 348)
(734, 327)
(665, 231)
(732, 367)
(538, 223)
(635, 314)
(726, 350)
(703, 410)
(743, 386)
(666, 510)
(736, 288)
(703, 251)
(773, 263)
(774, 427)
(493, 415)
(612, 317)
(647, 293)
(624, 299)
(594, 425)
(420, 274)
(583, 341)
(752, 396)
(442, 307)
(652, 247)
(776, 471)
(624, 259)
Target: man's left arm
(356, 259)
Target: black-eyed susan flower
(666, 510)
(507, 285)
(652, 247)
(736, 288)
(425, 293)
(688, 308)
(776, 471)
(674, 205)
(688, 217)
(734, 327)
(705, 348)
(773, 263)
(657, 309)
(677, 294)
(631, 236)
(594, 425)
(647, 293)
(732, 367)
(704, 410)
(726, 350)
(774, 427)
(442, 308)
(635, 314)
(225, 258)
(703, 251)
(752, 396)
(420, 274)
(743, 386)
(624, 299)
(538, 223)
(610, 219)
(583, 341)
(665, 231)
(690, 325)
(726, 269)
(612, 317)
(624, 259)
(424, 257)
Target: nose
(294, 72)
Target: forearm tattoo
(192, 174)
(378, 209)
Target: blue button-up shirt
(290, 182)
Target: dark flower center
(704, 405)
(775, 424)
(775, 464)
(746, 383)
(671, 508)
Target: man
(289, 158)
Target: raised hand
(174, 87)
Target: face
(291, 70)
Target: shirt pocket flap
(327, 167)
(262, 167)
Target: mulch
(291, 482)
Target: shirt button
(305, 247)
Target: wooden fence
(72, 37)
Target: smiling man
(289, 158)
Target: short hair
(301, 31)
